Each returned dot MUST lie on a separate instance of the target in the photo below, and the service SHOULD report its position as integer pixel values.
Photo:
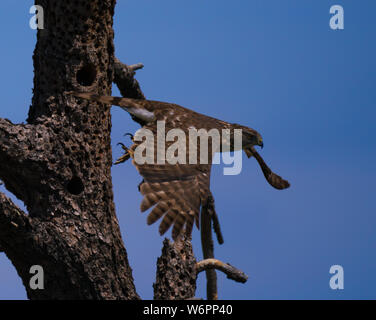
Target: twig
(208, 249)
(231, 272)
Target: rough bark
(59, 164)
(176, 271)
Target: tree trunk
(59, 163)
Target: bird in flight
(177, 191)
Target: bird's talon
(127, 154)
(125, 148)
(123, 158)
(129, 134)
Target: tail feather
(116, 101)
(137, 108)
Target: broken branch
(125, 81)
(136, 66)
(231, 272)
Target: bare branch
(136, 66)
(13, 221)
(209, 264)
(12, 144)
(208, 248)
(231, 272)
(23, 159)
(124, 79)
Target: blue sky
(272, 65)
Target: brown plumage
(175, 192)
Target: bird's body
(177, 191)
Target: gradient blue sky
(275, 66)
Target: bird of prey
(178, 191)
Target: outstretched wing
(174, 192)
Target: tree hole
(75, 186)
(86, 75)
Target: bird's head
(250, 138)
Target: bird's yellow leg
(128, 153)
